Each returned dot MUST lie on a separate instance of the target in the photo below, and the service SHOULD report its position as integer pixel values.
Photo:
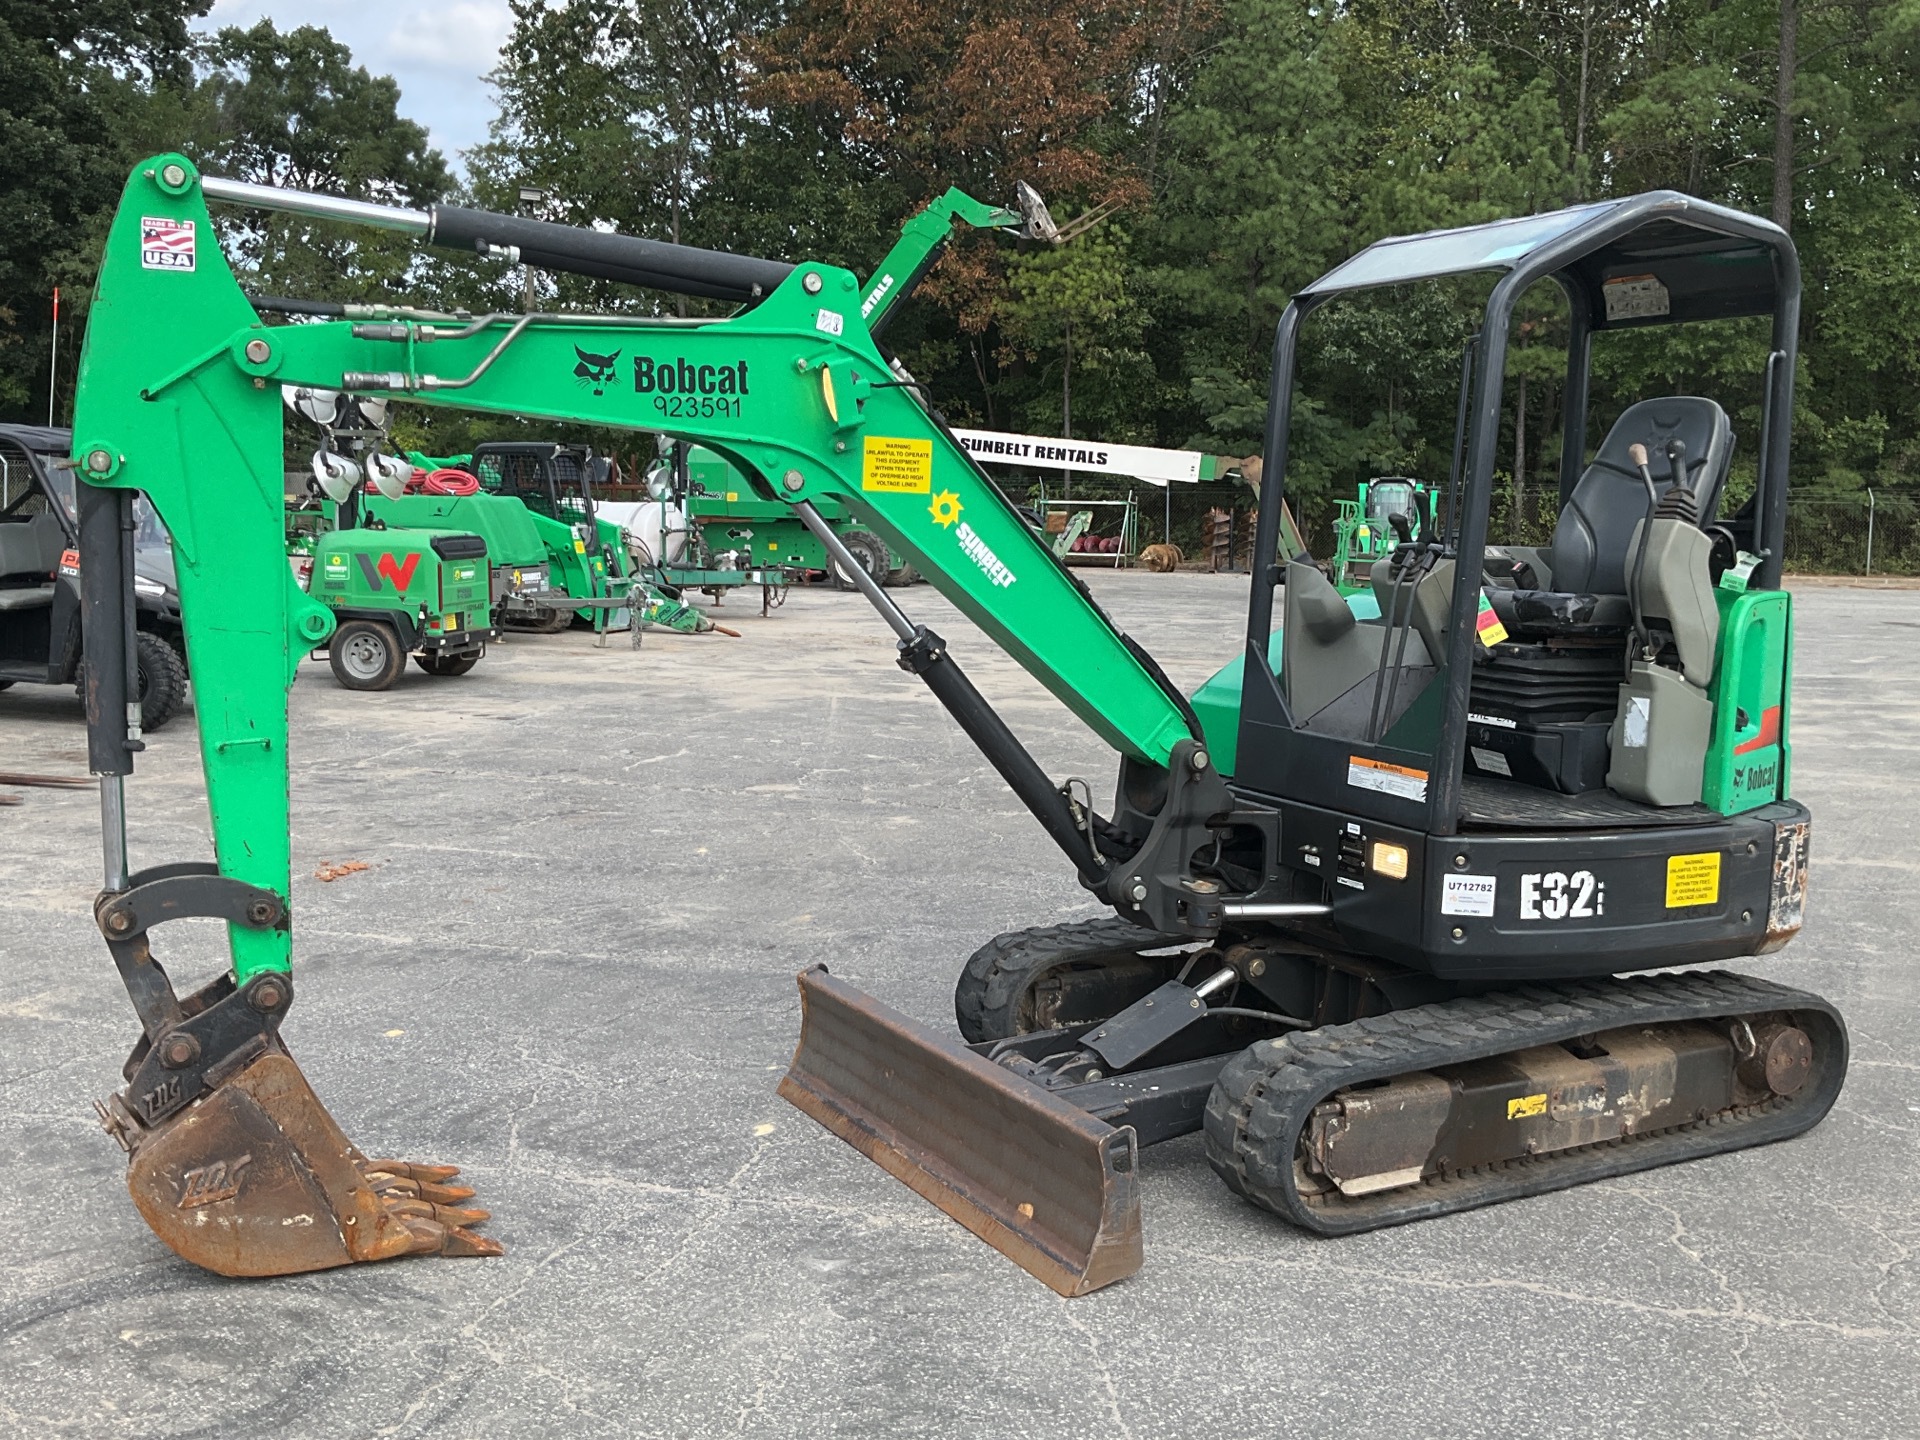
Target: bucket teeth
(409, 1170)
(390, 1184)
(445, 1214)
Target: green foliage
(1244, 147)
(73, 75)
(293, 109)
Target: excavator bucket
(1046, 1184)
(256, 1178)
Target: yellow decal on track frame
(1526, 1106)
(897, 465)
(1693, 880)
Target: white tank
(657, 525)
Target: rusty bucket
(255, 1178)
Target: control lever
(1677, 464)
(1638, 455)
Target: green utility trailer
(396, 592)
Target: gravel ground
(570, 968)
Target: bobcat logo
(595, 370)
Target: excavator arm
(179, 397)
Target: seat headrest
(1697, 422)
(1590, 540)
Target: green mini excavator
(1373, 890)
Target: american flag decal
(166, 244)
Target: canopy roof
(1651, 259)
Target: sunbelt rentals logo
(978, 552)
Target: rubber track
(989, 989)
(1266, 1094)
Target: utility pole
(531, 201)
(1066, 402)
(53, 357)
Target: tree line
(1219, 154)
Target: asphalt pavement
(593, 874)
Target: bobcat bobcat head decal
(595, 370)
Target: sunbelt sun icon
(945, 508)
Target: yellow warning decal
(1525, 1106)
(1693, 880)
(899, 466)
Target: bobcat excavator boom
(1306, 953)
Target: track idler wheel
(256, 1178)
(1053, 976)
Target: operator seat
(1585, 587)
(1543, 707)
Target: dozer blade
(1046, 1184)
(257, 1179)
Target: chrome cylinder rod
(113, 831)
(1242, 910)
(895, 617)
(320, 207)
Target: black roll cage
(1577, 259)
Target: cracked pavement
(569, 969)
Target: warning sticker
(899, 466)
(166, 244)
(1526, 1106)
(1387, 779)
(1693, 880)
(1468, 895)
(1636, 297)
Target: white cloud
(464, 35)
(437, 53)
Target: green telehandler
(1374, 890)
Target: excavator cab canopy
(1710, 261)
(1385, 729)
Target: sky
(436, 49)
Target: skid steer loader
(1372, 888)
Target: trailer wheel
(163, 680)
(366, 655)
(870, 550)
(1054, 975)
